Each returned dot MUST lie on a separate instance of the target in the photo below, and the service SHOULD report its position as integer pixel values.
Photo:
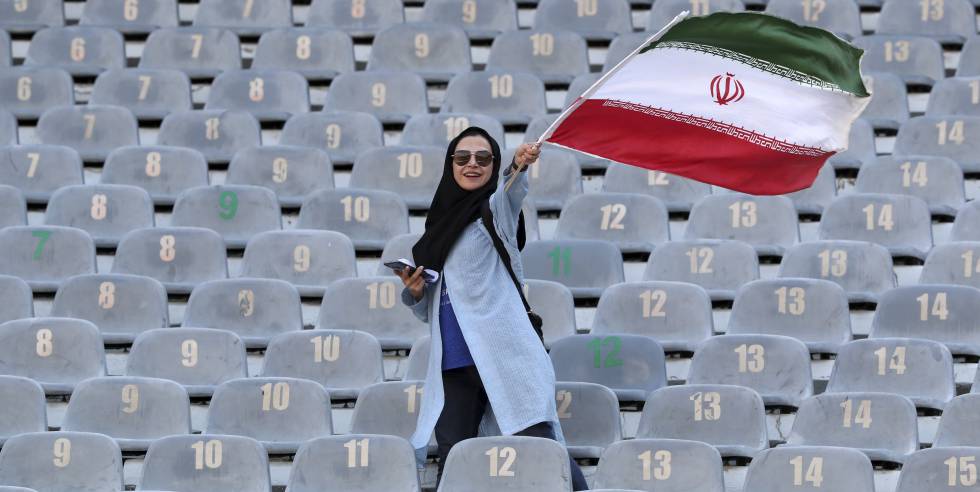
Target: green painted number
(42, 237)
(559, 256)
(610, 360)
(228, 201)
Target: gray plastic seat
(953, 263)
(620, 48)
(39, 170)
(317, 54)
(393, 97)
(368, 217)
(555, 56)
(390, 408)
(8, 128)
(215, 133)
(517, 463)
(308, 259)
(719, 266)
(206, 462)
(861, 147)
(730, 418)
(363, 21)
(675, 465)
(133, 411)
(881, 425)
(245, 17)
(237, 212)
(810, 310)
(179, 257)
(434, 51)
(842, 17)
(18, 299)
(62, 462)
(482, 19)
(950, 22)
(197, 358)
(5, 55)
(540, 123)
(532, 229)
(966, 227)
(135, 18)
(953, 96)
(677, 315)
(281, 413)
(943, 313)
(777, 367)
(342, 134)
(13, 208)
(769, 223)
(372, 305)
(786, 469)
(148, 93)
(397, 247)
(579, 85)
(386, 464)
(630, 365)
(269, 95)
(45, 256)
(200, 52)
(664, 11)
(94, 131)
(589, 416)
(634, 222)
(255, 309)
(933, 470)
(862, 269)
(107, 212)
(677, 193)
(556, 305)
(291, 172)
(418, 360)
(937, 180)
(412, 172)
(592, 19)
(958, 426)
(58, 353)
(900, 223)
(969, 65)
(552, 180)
(889, 106)
(814, 199)
(28, 91)
(917, 60)
(31, 16)
(439, 129)
(25, 408)
(82, 51)
(341, 361)
(954, 137)
(122, 306)
(922, 370)
(514, 98)
(585, 266)
(164, 172)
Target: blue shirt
(455, 353)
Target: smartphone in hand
(430, 276)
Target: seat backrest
(592, 19)
(482, 19)
(862, 269)
(197, 51)
(18, 299)
(938, 469)
(308, 259)
(410, 46)
(966, 227)
(357, 19)
(554, 56)
(13, 207)
(291, 172)
(948, 22)
(270, 95)
(39, 170)
(418, 359)
(413, 172)
(953, 263)
(952, 96)
(555, 304)
(129, 408)
(664, 11)
(720, 266)
(634, 222)
(179, 257)
(620, 48)
(369, 217)
(164, 172)
(942, 313)
(511, 97)
(254, 308)
(107, 212)
(45, 256)
(25, 408)
(5, 55)
(860, 147)
(371, 304)
(317, 54)
(206, 462)
(814, 199)
(588, 413)
(122, 306)
(56, 352)
(677, 315)
(197, 358)
(343, 361)
(838, 16)
(630, 365)
(342, 134)
(83, 51)
(958, 426)
(889, 106)
(390, 408)
(237, 212)
(8, 128)
(382, 464)
(31, 16)
(521, 464)
(969, 65)
(667, 465)
(135, 18)
(148, 93)
(216, 134)
(392, 96)
(62, 461)
(243, 16)
(29, 91)
(786, 469)
(441, 128)
(676, 192)
(586, 266)
(92, 130)
(767, 222)
(936, 180)
(918, 60)
(945, 136)
(553, 179)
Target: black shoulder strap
(499, 246)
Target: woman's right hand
(413, 281)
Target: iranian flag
(746, 101)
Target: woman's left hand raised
(527, 153)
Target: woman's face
(471, 176)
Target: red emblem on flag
(726, 89)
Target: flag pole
(592, 88)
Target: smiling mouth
(472, 175)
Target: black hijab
(454, 208)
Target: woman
(486, 363)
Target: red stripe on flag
(652, 142)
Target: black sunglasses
(483, 158)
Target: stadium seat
(122, 306)
(342, 134)
(13, 208)
(18, 299)
(358, 20)
(592, 19)
(953, 263)
(514, 98)
(556, 57)
(954, 137)
(552, 180)
(863, 269)
(255, 309)
(719, 266)
(842, 17)
(936, 180)
(585, 266)
(58, 353)
(5, 54)
(934, 470)
(730, 418)
(198, 358)
(814, 199)
(8, 128)
(556, 306)
(664, 11)
(369, 92)
(94, 131)
(589, 416)
(418, 360)
(810, 310)
(106, 212)
(676, 192)
(179, 257)
(164, 172)
(482, 19)
(860, 150)
(342, 361)
(24, 407)
(28, 91)
(518, 463)
(531, 227)
(578, 86)
(949, 21)
(237, 212)
(45, 256)
(677, 315)
(368, 217)
(434, 51)
(397, 247)
(281, 413)
(953, 96)
(942, 313)
(634, 222)
(662, 465)
(630, 365)
(217, 134)
(441, 128)
(540, 123)
(384, 464)
(966, 227)
(198, 52)
(619, 48)
(390, 408)
(969, 63)
(133, 411)
(39, 170)
(245, 17)
(291, 172)
(130, 17)
(82, 51)
(958, 426)
(901, 223)
(767, 223)
(148, 93)
(26, 17)
(412, 172)
(62, 461)
(206, 462)
(269, 95)
(777, 367)
(317, 54)
(889, 106)
(372, 305)
(810, 468)
(308, 259)
(918, 60)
